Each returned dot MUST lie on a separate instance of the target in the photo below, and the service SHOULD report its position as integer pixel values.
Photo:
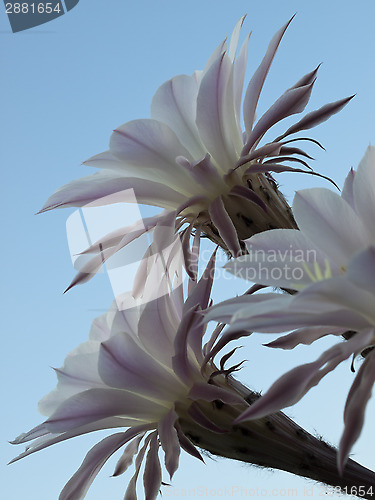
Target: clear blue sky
(65, 86)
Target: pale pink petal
(211, 111)
(180, 361)
(224, 225)
(108, 187)
(223, 341)
(150, 144)
(201, 419)
(202, 291)
(293, 385)
(256, 83)
(361, 270)
(35, 433)
(131, 493)
(335, 293)
(125, 235)
(270, 149)
(304, 336)
(225, 310)
(209, 392)
(187, 445)
(48, 439)
(347, 192)
(174, 104)
(355, 407)
(239, 77)
(286, 391)
(127, 457)
(169, 441)
(119, 365)
(316, 117)
(248, 194)
(156, 331)
(152, 474)
(96, 404)
(190, 262)
(364, 188)
(325, 218)
(77, 487)
(281, 258)
(104, 160)
(73, 378)
(293, 101)
(281, 321)
(235, 37)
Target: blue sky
(65, 86)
